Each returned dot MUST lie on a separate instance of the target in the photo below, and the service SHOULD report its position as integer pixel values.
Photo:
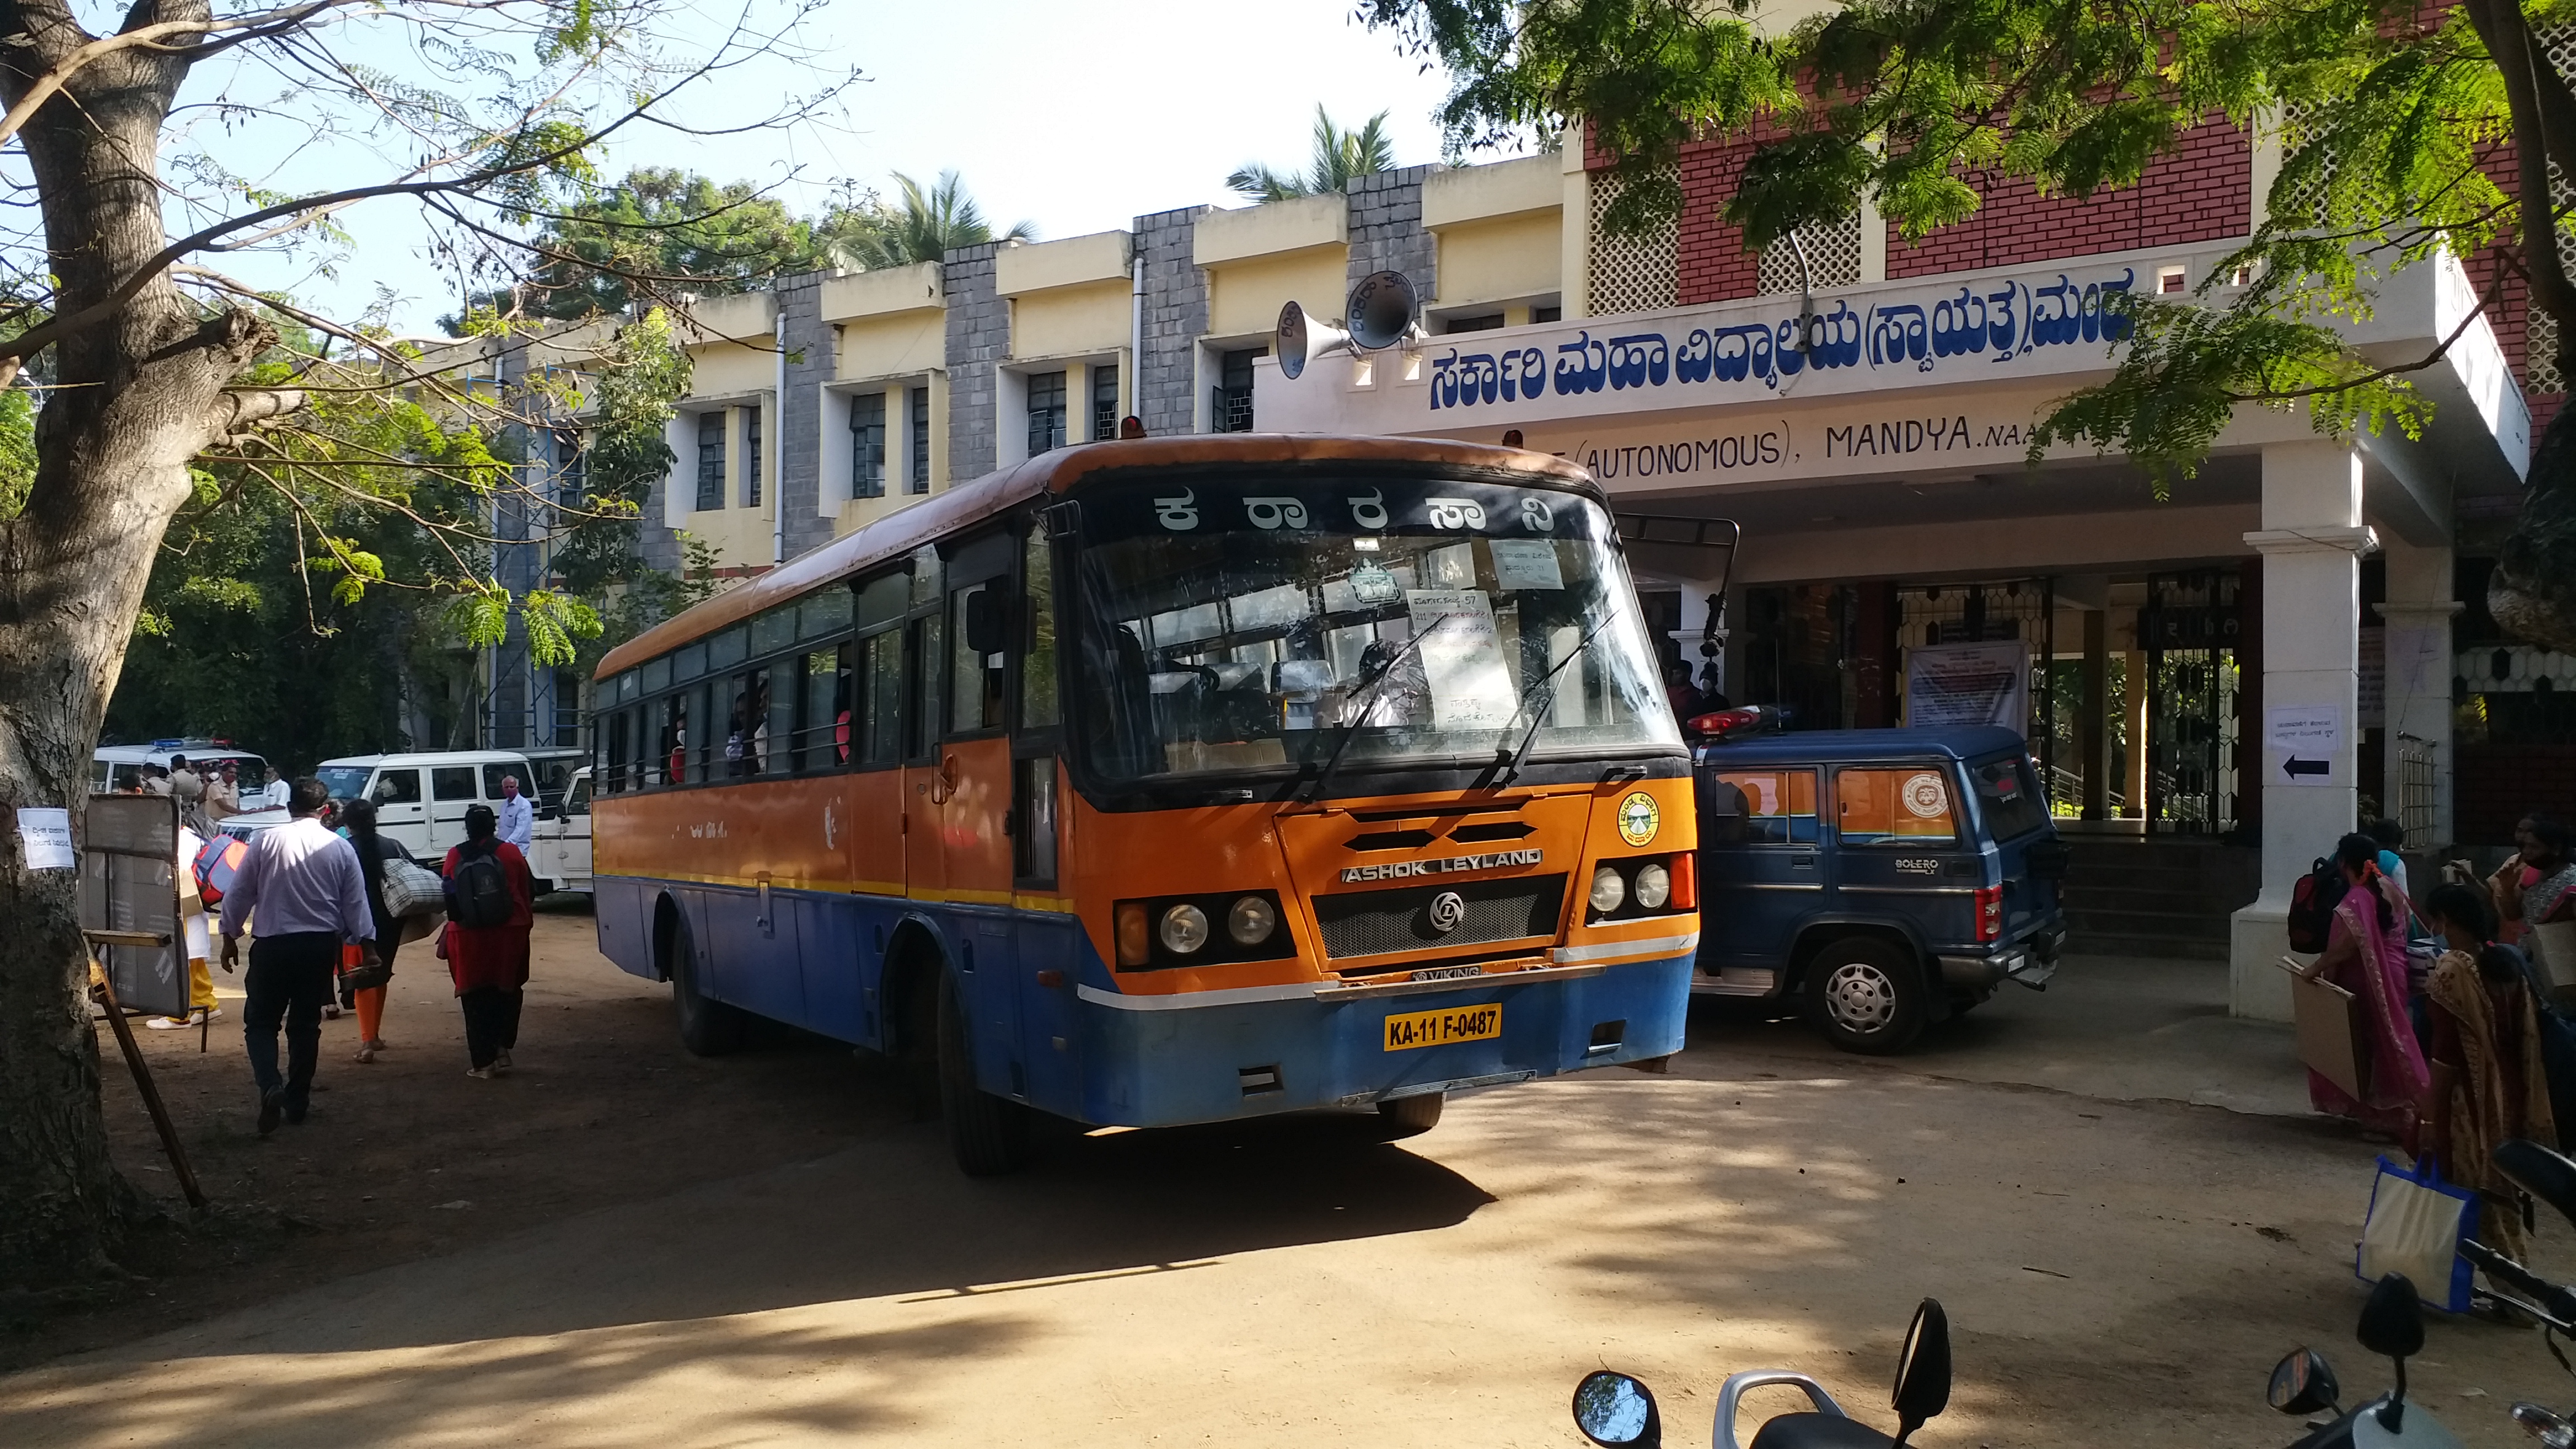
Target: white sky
(1076, 115)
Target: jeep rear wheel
(1866, 995)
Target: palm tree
(1340, 156)
(923, 224)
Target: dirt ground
(406, 1157)
(621, 1244)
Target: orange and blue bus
(1173, 780)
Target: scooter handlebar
(2559, 1303)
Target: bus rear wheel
(708, 1028)
(1411, 1116)
(988, 1135)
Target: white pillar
(2417, 635)
(2312, 541)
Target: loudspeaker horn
(1384, 311)
(1300, 339)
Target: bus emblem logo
(1442, 865)
(1447, 910)
(1639, 818)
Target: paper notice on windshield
(1526, 563)
(1462, 659)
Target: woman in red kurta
(489, 963)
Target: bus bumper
(1157, 1065)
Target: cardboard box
(2332, 1039)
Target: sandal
(366, 1053)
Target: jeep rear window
(1908, 805)
(2008, 795)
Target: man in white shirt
(518, 817)
(306, 886)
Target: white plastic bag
(2415, 1225)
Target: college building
(2219, 674)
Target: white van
(560, 858)
(118, 769)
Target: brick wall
(809, 346)
(1386, 232)
(2202, 192)
(1176, 311)
(979, 333)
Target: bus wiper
(1543, 698)
(1368, 690)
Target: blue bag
(2415, 1225)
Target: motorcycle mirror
(2303, 1383)
(1616, 1411)
(2544, 1174)
(2392, 1322)
(1923, 1370)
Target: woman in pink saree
(2366, 955)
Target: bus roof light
(1131, 426)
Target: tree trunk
(138, 396)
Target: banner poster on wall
(1969, 684)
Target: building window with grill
(1233, 410)
(918, 479)
(1104, 402)
(1484, 322)
(1546, 314)
(1046, 412)
(572, 468)
(711, 460)
(867, 445)
(751, 457)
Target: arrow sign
(2294, 767)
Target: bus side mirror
(987, 622)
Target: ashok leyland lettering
(1168, 781)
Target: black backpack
(2312, 904)
(481, 891)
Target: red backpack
(2312, 904)
(218, 862)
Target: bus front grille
(1381, 923)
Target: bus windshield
(1248, 626)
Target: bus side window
(877, 729)
(823, 732)
(706, 745)
(617, 726)
(921, 693)
(979, 662)
(1040, 707)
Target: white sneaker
(330, 1011)
(174, 1023)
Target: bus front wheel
(989, 1135)
(708, 1028)
(1411, 1116)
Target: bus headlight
(1608, 891)
(1654, 886)
(1185, 929)
(1251, 920)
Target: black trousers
(491, 1022)
(289, 980)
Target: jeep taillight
(1990, 913)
